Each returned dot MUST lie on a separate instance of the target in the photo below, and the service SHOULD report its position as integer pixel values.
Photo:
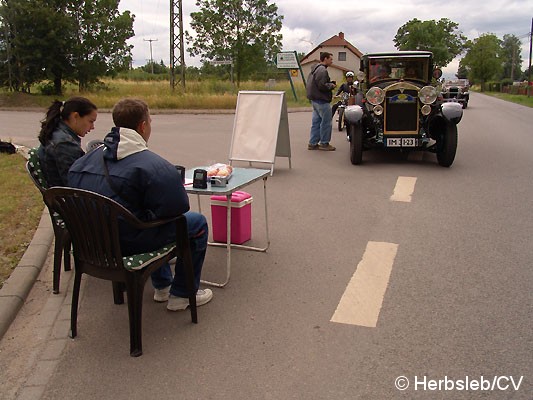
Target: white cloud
(370, 26)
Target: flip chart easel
(261, 128)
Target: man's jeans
(162, 278)
(321, 123)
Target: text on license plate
(402, 142)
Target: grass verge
(209, 94)
(513, 98)
(21, 206)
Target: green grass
(514, 98)
(208, 94)
(21, 206)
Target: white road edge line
(403, 191)
(361, 302)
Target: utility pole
(151, 57)
(176, 43)
(529, 69)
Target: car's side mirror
(437, 73)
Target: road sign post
(288, 60)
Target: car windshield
(398, 68)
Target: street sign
(287, 60)
(221, 62)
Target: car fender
(353, 114)
(452, 111)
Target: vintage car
(456, 90)
(398, 108)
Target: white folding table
(240, 178)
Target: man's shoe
(326, 147)
(203, 296)
(312, 146)
(161, 295)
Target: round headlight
(426, 109)
(427, 95)
(378, 110)
(375, 95)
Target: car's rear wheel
(447, 145)
(356, 143)
(465, 104)
(341, 119)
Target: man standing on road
(319, 91)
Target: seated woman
(60, 136)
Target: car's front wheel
(355, 132)
(447, 145)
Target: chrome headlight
(427, 95)
(426, 109)
(375, 95)
(378, 110)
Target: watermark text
(481, 383)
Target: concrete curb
(19, 284)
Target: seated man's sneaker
(203, 296)
(161, 295)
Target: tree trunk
(58, 90)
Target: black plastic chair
(62, 238)
(93, 223)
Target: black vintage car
(398, 108)
(456, 90)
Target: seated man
(124, 170)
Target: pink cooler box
(241, 217)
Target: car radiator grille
(401, 112)
(454, 92)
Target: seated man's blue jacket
(143, 182)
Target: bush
(48, 89)
(506, 82)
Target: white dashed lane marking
(403, 191)
(361, 302)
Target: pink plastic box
(241, 217)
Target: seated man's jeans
(162, 278)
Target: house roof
(314, 61)
(334, 41)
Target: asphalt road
(457, 303)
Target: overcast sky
(369, 26)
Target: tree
(511, 57)
(245, 31)
(100, 33)
(156, 68)
(37, 51)
(441, 37)
(462, 71)
(76, 40)
(483, 58)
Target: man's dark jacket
(142, 181)
(318, 84)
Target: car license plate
(402, 142)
